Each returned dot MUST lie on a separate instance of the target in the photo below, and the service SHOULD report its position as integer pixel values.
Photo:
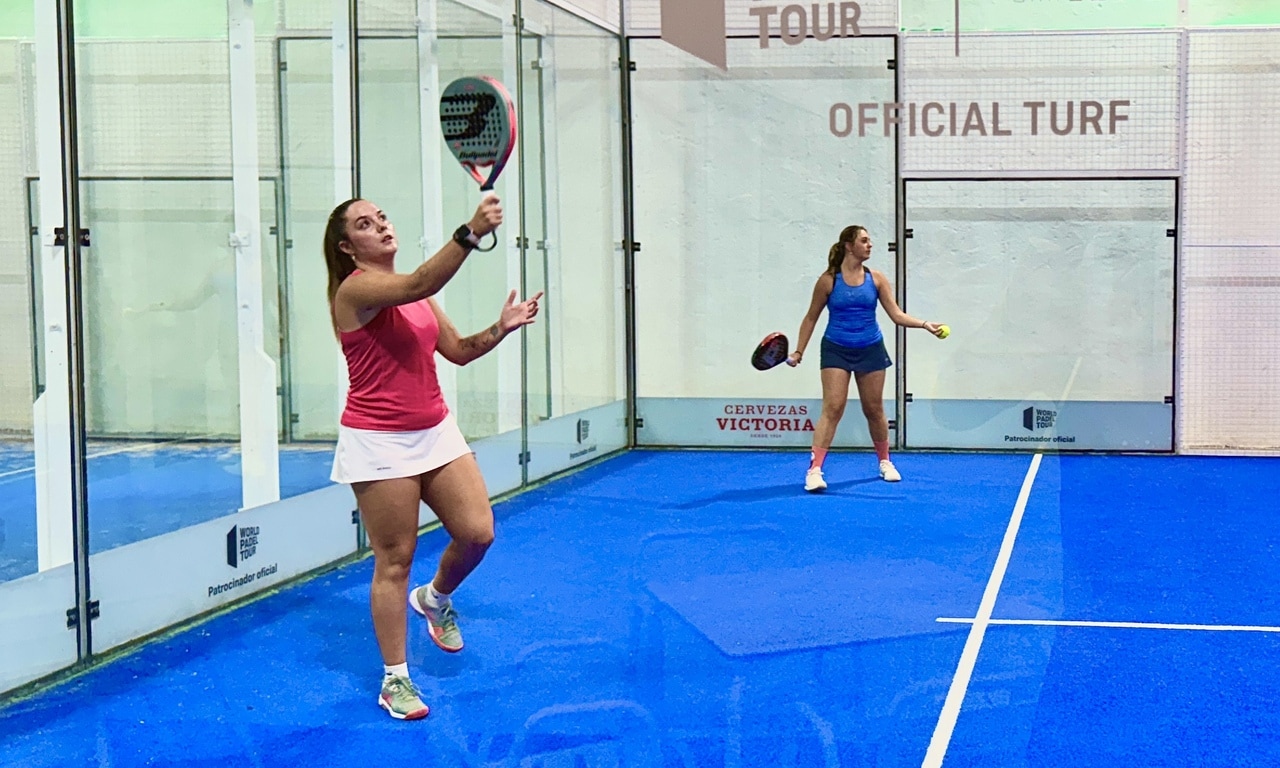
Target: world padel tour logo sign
(1038, 420)
(242, 545)
(699, 28)
(696, 27)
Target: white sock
(401, 670)
(434, 598)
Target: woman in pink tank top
(398, 443)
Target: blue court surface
(138, 491)
(699, 609)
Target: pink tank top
(392, 365)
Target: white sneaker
(889, 472)
(813, 480)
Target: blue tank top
(851, 320)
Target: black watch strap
(466, 238)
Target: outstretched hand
(515, 315)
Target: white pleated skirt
(363, 455)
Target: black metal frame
(75, 326)
(1171, 399)
(630, 247)
(285, 435)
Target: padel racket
(478, 120)
(770, 352)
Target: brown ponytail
(835, 257)
(339, 262)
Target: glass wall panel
(181, 280)
(735, 226)
(37, 578)
(301, 84)
(1060, 299)
(158, 283)
(572, 148)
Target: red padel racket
(770, 352)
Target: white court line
(1118, 625)
(969, 656)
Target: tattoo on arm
(483, 342)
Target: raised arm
(371, 291)
(818, 301)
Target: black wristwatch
(464, 237)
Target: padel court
(699, 609)
(1070, 211)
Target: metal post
(900, 189)
(628, 241)
(524, 243)
(353, 46)
(75, 326)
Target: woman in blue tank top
(852, 347)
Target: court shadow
(836, 488)
(768, 493)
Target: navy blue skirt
(873, 357)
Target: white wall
(741, 189)
(1230, 279)
(1009, 69)
(712, 280)
(1053, 289)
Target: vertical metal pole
(510, 189)
(900, 194)
(353, 46)
(283, 227)
(353, 76)
(547, 150)
(524, 244)
(1175, 429)
(628, 240)
(1180, 228)
(75, 326)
